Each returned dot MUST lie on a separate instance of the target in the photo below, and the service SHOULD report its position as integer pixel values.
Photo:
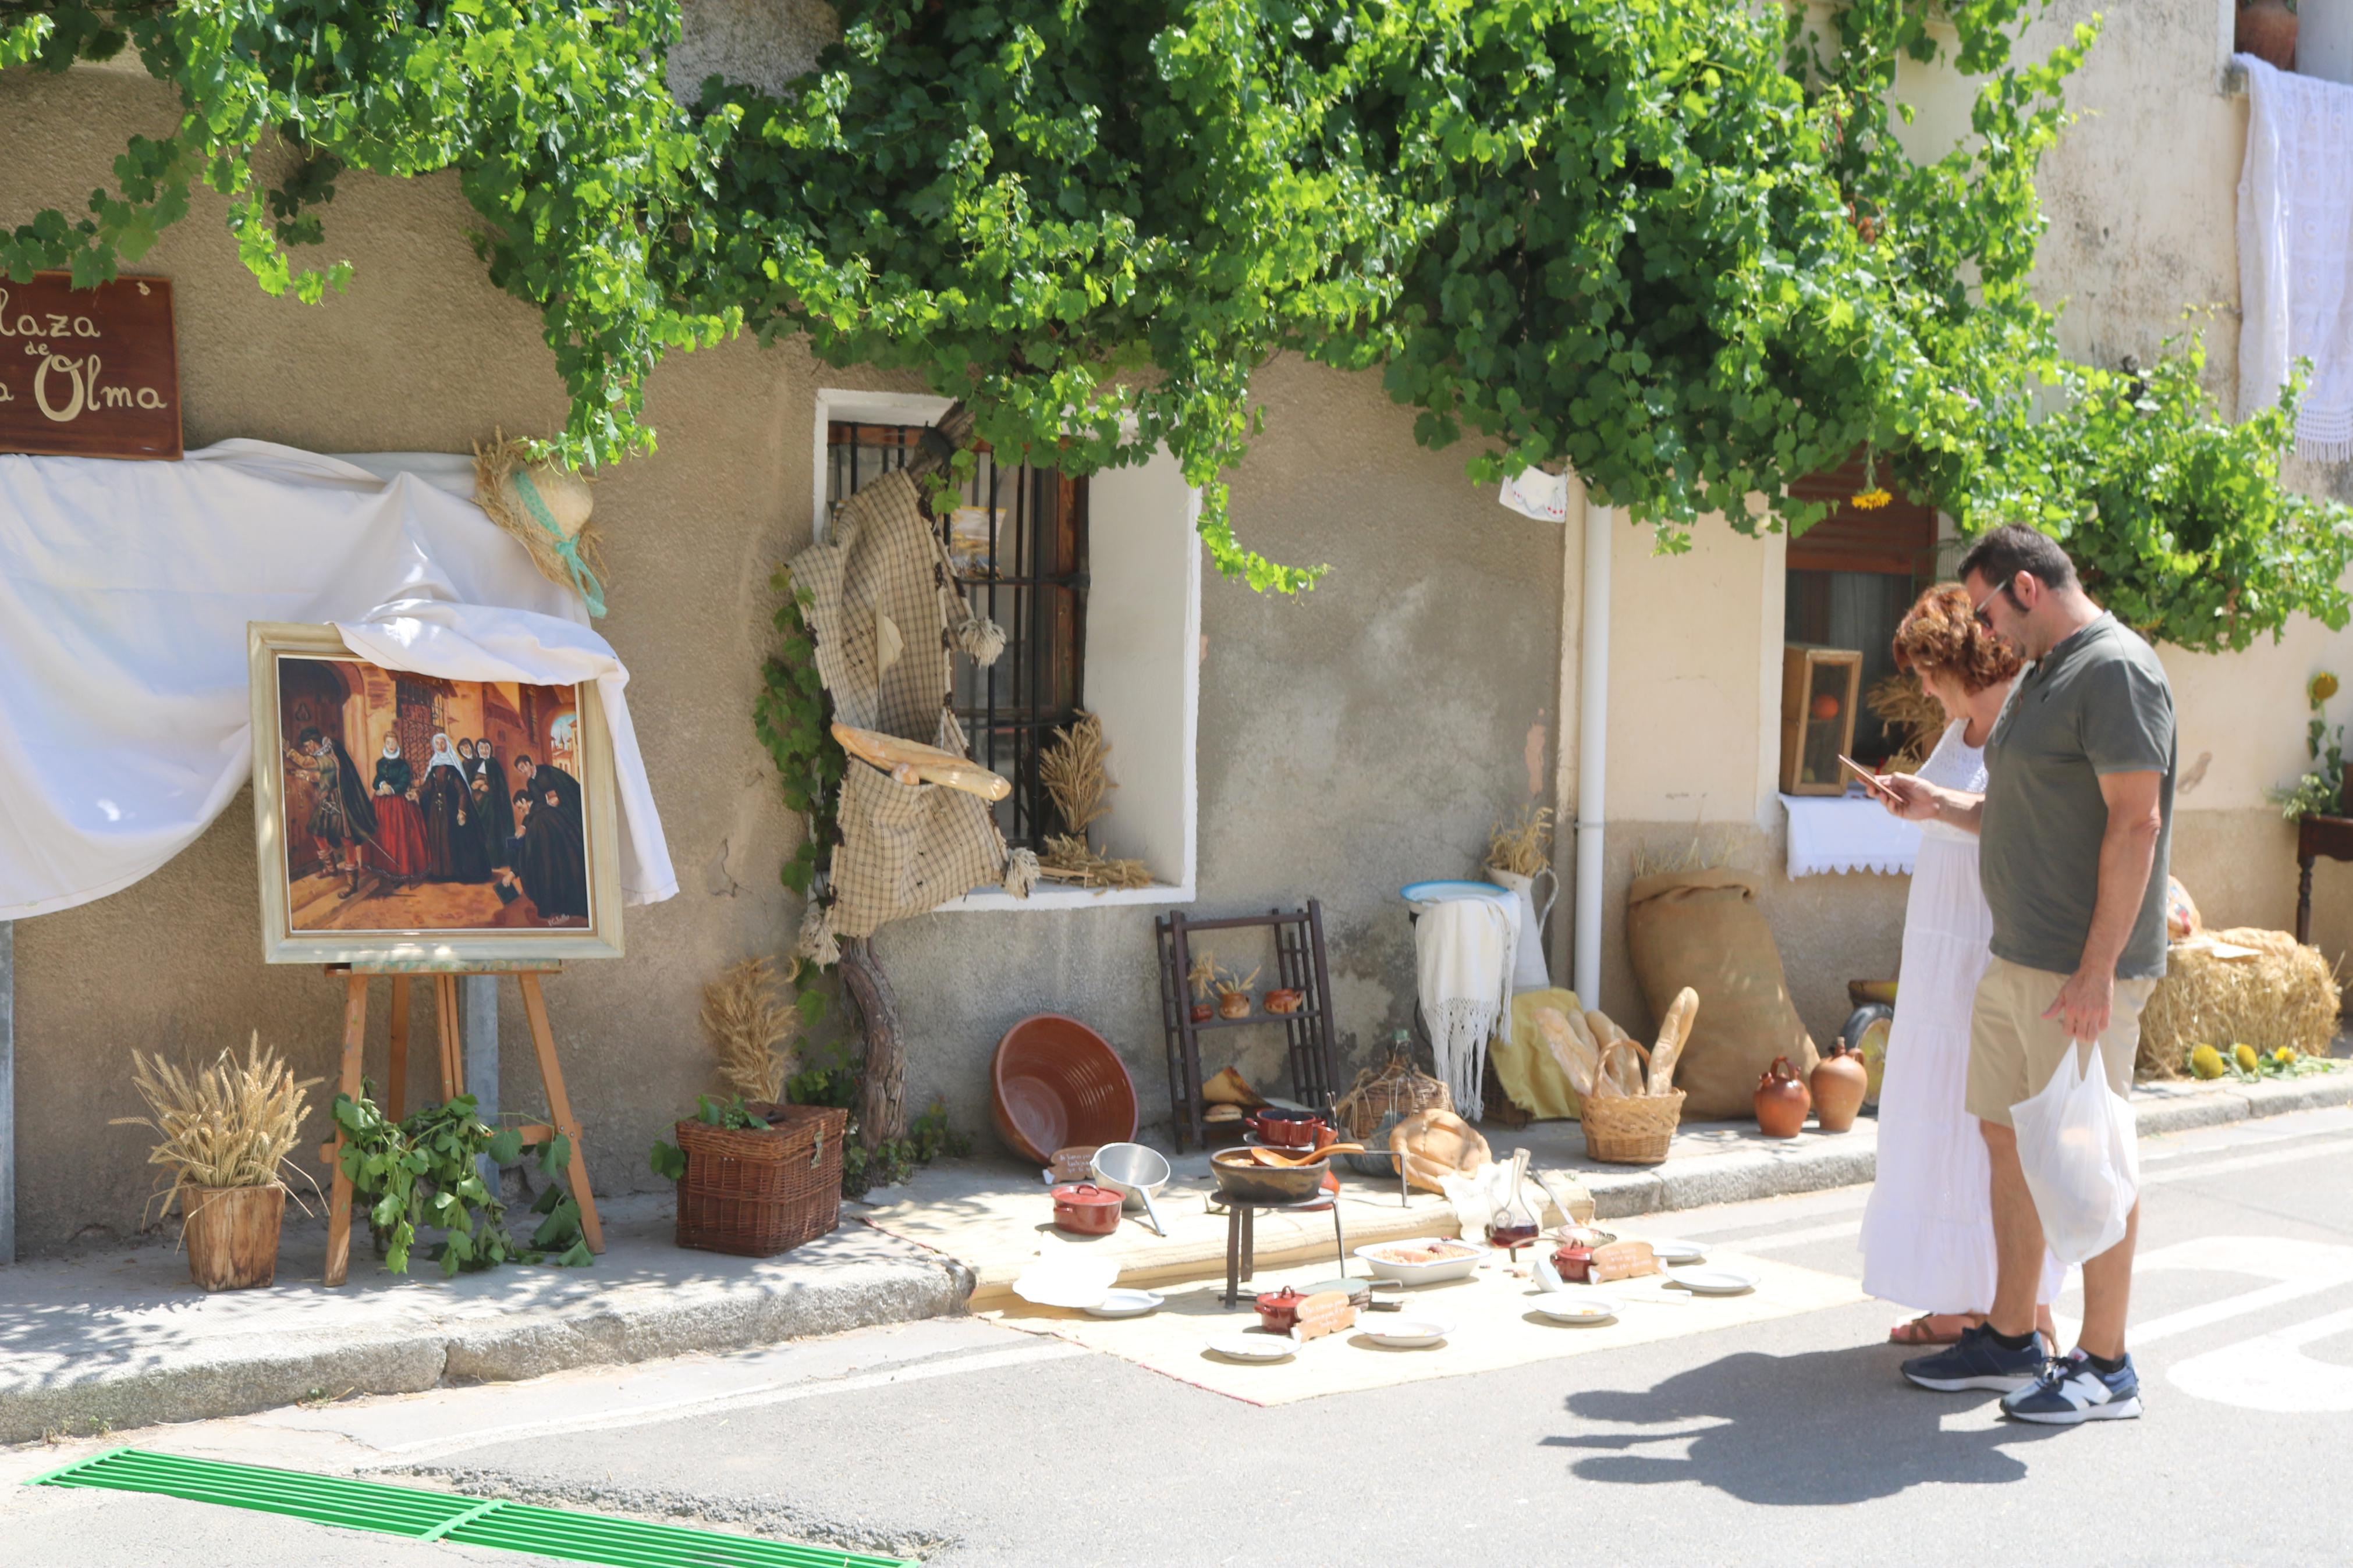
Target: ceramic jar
(1781, 1100)
(2267, 29)
(1234, 1004)
(1839, 1082)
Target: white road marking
(757, 1394)
(2272, 1373)
(2301, 1267)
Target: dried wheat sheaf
(747, 1022)
(1071, 767)
(231, 1124)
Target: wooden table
(2316, 837)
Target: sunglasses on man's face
(2006, 591)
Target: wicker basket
(1396, 1087)
(756, 1193)
(1630, 1129)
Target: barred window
(1018, 544)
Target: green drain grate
(440, 1516)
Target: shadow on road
(1829, 1426)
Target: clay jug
(2267, 29)
(1781, 1100)
(1840, 1082)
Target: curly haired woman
(1927, 1233)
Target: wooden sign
(89, 373)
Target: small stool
(1241, 1238)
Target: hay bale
(2280, 994)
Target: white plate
(1126, 1304)
(1254, 1347)
(1673, 1252)
(1713, 1281)
(1407, 1334)
(1067, 1281)
(1577, 1307)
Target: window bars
(1019, 543)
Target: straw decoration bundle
(747, 1023)
(1900, 699)
(1072, 768)
(231, 1124)
(2280, 995)
(1522, 845)
(546, 509)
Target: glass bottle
(1514, 1223)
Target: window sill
(1048, 897)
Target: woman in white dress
(1927, 1231)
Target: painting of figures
(417, 805)
(408, 816)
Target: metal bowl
(1132, 1170)
(1242, 1178)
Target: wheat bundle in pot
(2244, 986)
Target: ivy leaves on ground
(425, 1170)
(1680, 247)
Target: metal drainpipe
(1592, 753)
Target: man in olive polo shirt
(2072, 831)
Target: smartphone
(1870, 780)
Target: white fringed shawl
(1462, 964)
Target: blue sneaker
(2072, 1390)
(1977, 1361)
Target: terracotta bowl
(1055, 1082)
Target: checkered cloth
(884, 600)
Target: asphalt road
(1787, 1441)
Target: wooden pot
(1839, 1083)
(2266, 29)
(1781, 1100)
(232, 1234)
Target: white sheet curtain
(2296, 253)
(125, 589)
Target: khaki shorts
(2014, 1050)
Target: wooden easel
(453, 1081)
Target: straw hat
(545, 506)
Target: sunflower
(2205, 1061)
(1873, 499)
(2245, 1057)
(2321, 687)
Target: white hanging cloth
(2296, 252)
(1462, 965)
(125, 588)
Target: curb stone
(93, 1380)
(1812, 1166)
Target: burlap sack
(1704, 929)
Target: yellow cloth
(1524, 1064)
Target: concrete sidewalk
(119, 1338)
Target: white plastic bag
(2076, 1141)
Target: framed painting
(404, 818)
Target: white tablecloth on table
(125, 588)
(1848, 832)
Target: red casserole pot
(1083, 1208)
(1278, 1310)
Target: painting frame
(268, 643)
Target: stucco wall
(1359, 739)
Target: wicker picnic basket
(1630, 1129)
(1396, 1087)
(755, 1193)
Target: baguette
(1673, 1035)
(1623, 1070)
(1575, 1059)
